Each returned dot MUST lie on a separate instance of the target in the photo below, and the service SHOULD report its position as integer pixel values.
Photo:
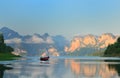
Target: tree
(113, 49)
(3, 47)
(118, 40)
(1, 38)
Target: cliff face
(101, 41)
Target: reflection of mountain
(33, 44)
(93, 70)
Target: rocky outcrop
(101, 41)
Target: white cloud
(34, 39)
(49, 40)
(53, 51)
(14, 40)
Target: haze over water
(64, 67)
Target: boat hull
(44, 58)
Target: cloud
(14, 40)
(34, 39)
(53, 51)
(49, 40)
(37, 40)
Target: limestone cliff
(89, 40)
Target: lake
(62, 67)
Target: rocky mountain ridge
(90, 40)
(34, 44)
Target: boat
(45, 56)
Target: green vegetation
(113, 50)
(3, 47)
(87, 51)
(5, 51)
(7, 56)
(97, 53)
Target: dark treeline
(3, 47)
(113, 50)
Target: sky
(61, 17)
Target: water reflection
(115, 67)
(94, 69)
(36, 69)
(64, 68)
(2, 69)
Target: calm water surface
(62, 67)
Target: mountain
(9, 34)
(34, 44)
(90, 43)
(60, 42)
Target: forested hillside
(113, 50)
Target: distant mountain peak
(38, 35)
(9, 33)
(5, 29)
(46, 34)
(108, 33)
